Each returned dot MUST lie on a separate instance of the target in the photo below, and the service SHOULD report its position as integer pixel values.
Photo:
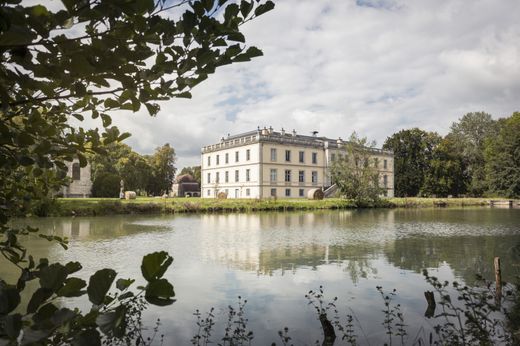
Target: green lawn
(149, 205)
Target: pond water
(274, 259)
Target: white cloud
(373, 66)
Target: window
(333, 157)
(314, 158)
(385, 180)
(226, 177)
(287, 192)
(248, 192)
(248, 155)
(236, 156)
(227, 158)
(227, 192)
(288, 155)
(301, 176)
(301, 156)
(209, 178)
(218, 159)
(273, 154)
(301, 193)
(209, 160)
(314, 177)
(273, 192)
(76, 171)
(209, 192)
(248, 174)
(287, 175)
(384, 165)
(236, 176)
(217, 178)
(273, 175)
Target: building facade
(267, 163)
(80, 180)
(185, 186)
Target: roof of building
(269, 135)
(185, 178)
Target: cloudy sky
(335, 66)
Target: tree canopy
(355, 173)
(413, 151)
(86, 59)
(502, 156)
(469, 135)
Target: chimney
(270, 129)
(294, 133)
(283, 132)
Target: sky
(338, 66)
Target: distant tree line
(480, 156)
(145, 174)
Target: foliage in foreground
(88, 59)
(466, 316)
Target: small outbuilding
(185, 186)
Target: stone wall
(81, 187)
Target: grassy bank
(109, 206)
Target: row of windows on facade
(301, 192)
(301, 157)
(376, 160)
(273, 176)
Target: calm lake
(274, 259)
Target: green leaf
(107, 120)
(73, 267)
(44, 313)
(268, 6)
(72, 288)
(184, 95)
(159, 292)
(89, 337)
(123, 284)
(154, 265)
(38, 298)
(253, 52)
(99, 284)
(111, 103)
(53, 276)
(245, 8)
(9, 298)
(153, 108)
(112, 322)
(236, 36)
(13, 325)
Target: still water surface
(274, 259)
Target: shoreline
(145, 205)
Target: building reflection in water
(268, 242)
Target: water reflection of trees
(466, 256)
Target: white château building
(266, 163)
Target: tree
(413, 150)
(445, 173)
(135, 171)
(106, 185)
(163, 170)
(470, 134)
(89, 58)
(193, 171)
(502, 155)
(355, 174)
